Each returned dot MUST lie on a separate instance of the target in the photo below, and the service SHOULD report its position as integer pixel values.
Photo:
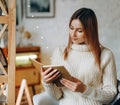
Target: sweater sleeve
(108, 90)
(51, 88)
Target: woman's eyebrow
(77, 28)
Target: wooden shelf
(29, 73)
(28, 49)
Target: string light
(28, 5)
(37, 27)
(41, 37)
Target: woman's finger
(42, 69)
(48, 70)
(67, 83)
(51, 73)
(55, 76)
(76, 80)
(74, 86)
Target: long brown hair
(90, 25)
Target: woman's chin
(75, 43)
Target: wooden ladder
(8, 20)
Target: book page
(36, 64)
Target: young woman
(91, 65)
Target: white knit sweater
(81, 64)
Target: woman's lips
(74, 38)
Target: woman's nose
(74, 33)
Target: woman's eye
(79, 31)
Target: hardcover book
(64, 73)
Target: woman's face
(77, 32)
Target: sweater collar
(80, 47)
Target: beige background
(52, 32)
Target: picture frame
(3, 59)
(19, 13)
(40, 8)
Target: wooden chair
(24, 95)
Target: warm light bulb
(26, 57)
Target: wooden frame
(11, 50)
(40, 8)
(3, 58)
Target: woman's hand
(75, 85)
(49, 75)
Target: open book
(64, 73)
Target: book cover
(64, 73)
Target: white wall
(49, 33)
